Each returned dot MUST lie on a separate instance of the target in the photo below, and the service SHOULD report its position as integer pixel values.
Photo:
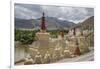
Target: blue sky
(74, 14)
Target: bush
(28, 36)
(25, 36)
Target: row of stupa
(45, 47)
(43, 38)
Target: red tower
(77, 50)
(74, 33)
(62, 34)
(43, 27)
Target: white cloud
(25, 13)
(75, 14)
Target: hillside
(87, 24)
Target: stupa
(42, 44)
(43, 35)
(77, 50)
(77, 43)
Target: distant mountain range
(51, 23)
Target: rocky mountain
(51, 23)
(87, 24)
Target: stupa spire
(43, 27)
(62, 34)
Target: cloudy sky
(74, 14)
